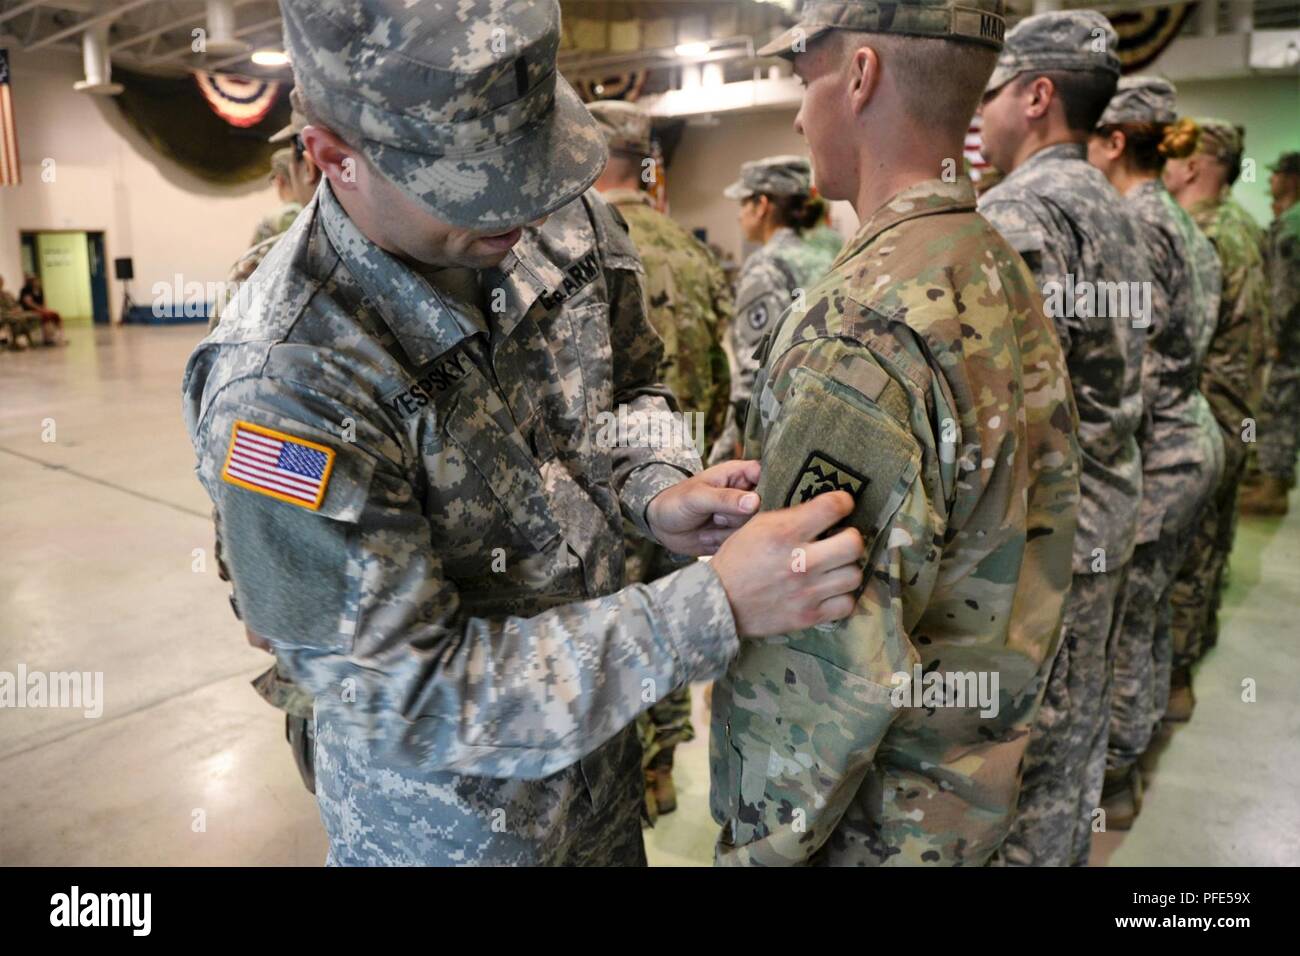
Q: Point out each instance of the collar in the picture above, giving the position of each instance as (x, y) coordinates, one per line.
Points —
(425, 323)
(627, 197)
(1054, 153)
(927, 198)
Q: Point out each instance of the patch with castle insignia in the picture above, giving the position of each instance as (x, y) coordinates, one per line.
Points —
(822, 473)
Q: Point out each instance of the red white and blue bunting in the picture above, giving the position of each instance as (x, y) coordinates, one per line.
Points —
(238, 101)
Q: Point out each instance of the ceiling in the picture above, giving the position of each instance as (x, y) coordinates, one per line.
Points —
(602, 38)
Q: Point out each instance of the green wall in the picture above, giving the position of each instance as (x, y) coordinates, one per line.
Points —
(65, 273)
(1269, 108)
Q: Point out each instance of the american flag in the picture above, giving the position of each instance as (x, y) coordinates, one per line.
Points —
(10, 171)
(279, 465)
(972, 148)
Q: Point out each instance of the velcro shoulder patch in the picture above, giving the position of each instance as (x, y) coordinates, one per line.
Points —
(278, 465)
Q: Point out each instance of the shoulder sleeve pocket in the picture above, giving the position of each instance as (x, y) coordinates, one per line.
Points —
(830, 437)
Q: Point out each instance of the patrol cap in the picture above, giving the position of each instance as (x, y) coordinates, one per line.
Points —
(1064, 40)
(459, 105)
(976, 21)
(626, 126)
(1219, 138)
(774, 176)
(1288, 164)
(281, 162)
(1141, 99)
(296, 122)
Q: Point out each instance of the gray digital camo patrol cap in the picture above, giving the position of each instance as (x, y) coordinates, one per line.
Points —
(1141, 99)
(773, 176)
(458, 104)
(625, 126)
(976, 21)
(1066, 40)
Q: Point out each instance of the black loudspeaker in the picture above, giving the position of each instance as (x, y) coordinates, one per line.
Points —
(123, 269)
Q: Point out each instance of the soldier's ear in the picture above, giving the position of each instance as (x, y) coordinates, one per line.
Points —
(863, 77)
(335, 159)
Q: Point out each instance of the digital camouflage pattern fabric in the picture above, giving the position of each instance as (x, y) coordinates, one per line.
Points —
(1229, 384)
(1057, 41)
(277, 223)
(460, 105)
(1182, 459)
(1281, 418)
(770, 280)
(452, 604)
(689, 305)
(1070, 226)
(924, 379)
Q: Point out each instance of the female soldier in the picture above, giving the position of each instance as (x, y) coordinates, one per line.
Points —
(777, 208)
(1182, 451)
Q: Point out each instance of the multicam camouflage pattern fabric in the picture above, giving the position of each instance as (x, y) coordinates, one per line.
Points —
(1182, 459)
(976, 21)
(16, 319)
(1070, 226)
(773, 278)
(446, 100)
(1228, 383)
(1065, 764)
(452, 603)
(924, 379)
(1281, 418)
(244, 267)
(689, 305)
(1059, 40)
(277, 223)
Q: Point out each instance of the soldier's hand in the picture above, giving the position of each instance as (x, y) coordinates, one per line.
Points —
(696, 515)
(780, 578)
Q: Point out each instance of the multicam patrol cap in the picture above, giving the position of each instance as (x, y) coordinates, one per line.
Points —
(626, 126)
(773, 176)
(281, 162)
(1220, 139)
(1141, 99)
(1065, 40)
(459, 105)
(976, 21)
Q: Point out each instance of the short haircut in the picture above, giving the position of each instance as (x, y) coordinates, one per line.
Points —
(1084, 94)
(941, 80)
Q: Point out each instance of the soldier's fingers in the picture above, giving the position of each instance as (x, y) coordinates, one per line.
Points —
(730, 521)
(843, 547)
(704, 499)
(813, 517)
(842, 580)
(837, 608)
(732, 474)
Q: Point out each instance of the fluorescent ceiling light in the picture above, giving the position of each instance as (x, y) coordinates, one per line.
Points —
(693, 49)
(270, 57)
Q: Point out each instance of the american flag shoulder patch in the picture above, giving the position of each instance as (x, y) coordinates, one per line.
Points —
(278, 465)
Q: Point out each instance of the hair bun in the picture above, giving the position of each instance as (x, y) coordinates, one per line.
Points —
(1180, 139)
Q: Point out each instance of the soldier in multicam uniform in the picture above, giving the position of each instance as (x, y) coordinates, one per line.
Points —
(1279, 426)
(1182, 450)
(1201, 183)
(403, 421)
(924, 378)
(777, 208)
(1054, 77)
(689, 305)
(21, 324)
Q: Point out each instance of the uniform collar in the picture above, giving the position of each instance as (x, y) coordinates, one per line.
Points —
(425, 323)
(627, 197)
(927, 198)
(1054, 153)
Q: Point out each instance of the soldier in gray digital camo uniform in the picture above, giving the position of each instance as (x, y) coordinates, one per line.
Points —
(779, 210)
(1182, 449)
(1071, 227)
(423, 421)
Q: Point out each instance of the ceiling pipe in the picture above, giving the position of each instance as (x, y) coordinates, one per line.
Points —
(98, 64)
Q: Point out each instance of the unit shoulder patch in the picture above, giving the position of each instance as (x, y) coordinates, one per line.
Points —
(278, 465)
(821, 474)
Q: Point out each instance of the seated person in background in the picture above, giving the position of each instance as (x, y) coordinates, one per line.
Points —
(20, 324)
(32, 298)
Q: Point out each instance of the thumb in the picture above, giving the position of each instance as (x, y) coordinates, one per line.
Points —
(813, 517)
(706, 500)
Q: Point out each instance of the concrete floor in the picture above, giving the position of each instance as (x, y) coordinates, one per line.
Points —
(188, 766)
